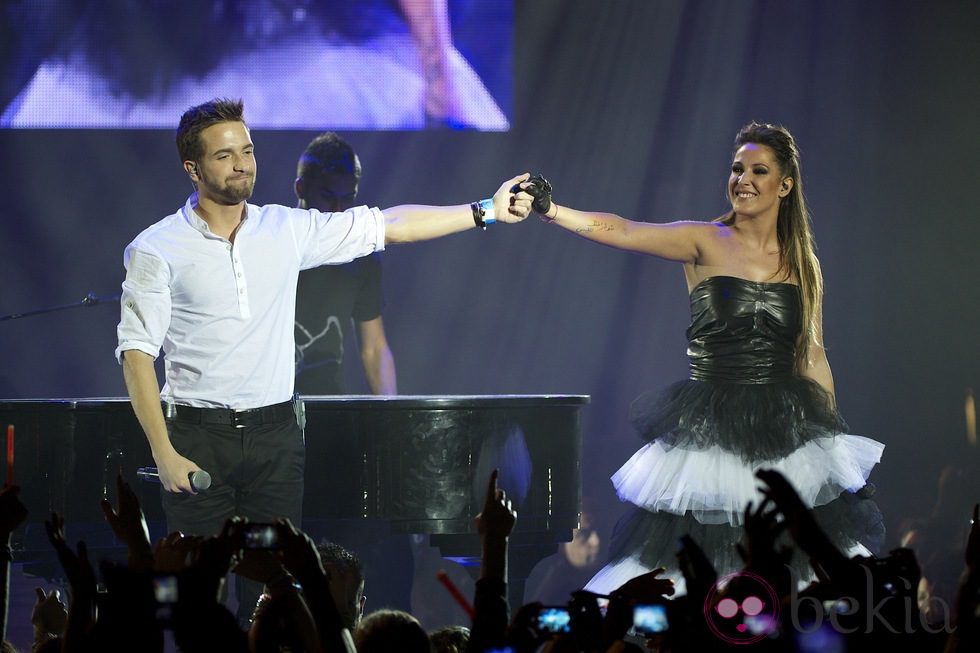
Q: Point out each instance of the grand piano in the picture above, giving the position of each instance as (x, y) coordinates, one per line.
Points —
(419, 464)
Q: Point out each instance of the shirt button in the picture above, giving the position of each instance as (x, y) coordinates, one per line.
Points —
(241, 292)
(239, 275)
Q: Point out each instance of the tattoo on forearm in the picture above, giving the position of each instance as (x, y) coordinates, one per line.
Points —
(595, 225)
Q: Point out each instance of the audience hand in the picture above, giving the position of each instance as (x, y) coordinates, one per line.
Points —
(699, 574)
(498, 516)
(49, 615)
(522, 633)
(200, 621)
(128, 522)
(173, 553)
(260, 566)
(215, 556)
(301, 559)
(298, 553)
(282, 617)
(973, 542)
(784, 495)
(762, 529)
(12, 511)
(967, 634)
(202, 562)
(806, 532)
(644, 589)
(800, 521)
(77, 567)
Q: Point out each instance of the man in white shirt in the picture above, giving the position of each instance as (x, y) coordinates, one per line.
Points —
(214, 285)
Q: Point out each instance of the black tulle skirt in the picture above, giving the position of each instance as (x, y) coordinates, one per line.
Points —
(697, 472)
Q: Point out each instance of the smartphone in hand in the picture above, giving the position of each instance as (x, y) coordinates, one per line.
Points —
(553, 619)
(650, 619)
(261, 536)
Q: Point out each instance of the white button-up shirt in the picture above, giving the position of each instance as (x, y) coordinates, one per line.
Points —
(222, 312)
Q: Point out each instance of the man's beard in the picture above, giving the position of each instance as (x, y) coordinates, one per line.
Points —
(230, 193)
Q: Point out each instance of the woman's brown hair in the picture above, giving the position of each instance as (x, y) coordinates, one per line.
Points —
(797, 250)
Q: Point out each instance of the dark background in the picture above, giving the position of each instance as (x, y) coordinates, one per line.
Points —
(628, 106)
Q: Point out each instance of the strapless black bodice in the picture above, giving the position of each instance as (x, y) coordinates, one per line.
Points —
(743, 331)
(743, 394)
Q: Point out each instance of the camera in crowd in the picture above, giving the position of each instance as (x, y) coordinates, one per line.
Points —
(650, 619)
(581, 621)
(140, 595)
(553, 619)
(261, 536)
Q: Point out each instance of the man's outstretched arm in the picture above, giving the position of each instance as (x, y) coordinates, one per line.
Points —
(412, 222)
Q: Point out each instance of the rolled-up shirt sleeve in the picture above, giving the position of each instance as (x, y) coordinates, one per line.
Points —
(331, 238)
(145, 303)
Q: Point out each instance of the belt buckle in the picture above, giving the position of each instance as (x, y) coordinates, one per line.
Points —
(234, 419)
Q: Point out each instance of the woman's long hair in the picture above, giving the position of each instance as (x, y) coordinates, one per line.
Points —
(797, 251)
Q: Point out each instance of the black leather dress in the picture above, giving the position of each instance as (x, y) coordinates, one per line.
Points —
(743, 408)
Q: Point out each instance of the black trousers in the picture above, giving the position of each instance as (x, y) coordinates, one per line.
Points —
(256, 473)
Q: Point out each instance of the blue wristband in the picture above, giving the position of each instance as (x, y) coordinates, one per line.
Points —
(486, 211)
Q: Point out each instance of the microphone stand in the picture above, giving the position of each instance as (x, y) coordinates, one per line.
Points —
(91, 299)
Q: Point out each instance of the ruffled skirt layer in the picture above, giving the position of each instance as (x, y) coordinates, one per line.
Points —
(697, 473)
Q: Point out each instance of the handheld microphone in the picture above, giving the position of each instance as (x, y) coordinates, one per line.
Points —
(200, 480)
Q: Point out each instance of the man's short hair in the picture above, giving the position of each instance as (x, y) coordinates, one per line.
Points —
(391, 630)
(197, 119)
(330, 153)
(339, 558)
(450, 639)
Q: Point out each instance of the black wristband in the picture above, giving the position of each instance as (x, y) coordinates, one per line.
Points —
(478, 216)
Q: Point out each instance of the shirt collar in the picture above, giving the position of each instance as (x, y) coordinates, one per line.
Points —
(198, 223)
(192, 218)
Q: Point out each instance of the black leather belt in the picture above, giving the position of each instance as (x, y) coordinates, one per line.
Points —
(236, 418)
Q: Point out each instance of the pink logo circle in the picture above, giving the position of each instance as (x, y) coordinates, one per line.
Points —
(745, 617)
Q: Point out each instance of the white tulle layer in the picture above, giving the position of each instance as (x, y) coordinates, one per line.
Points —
(714, 485)
(615, 574)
